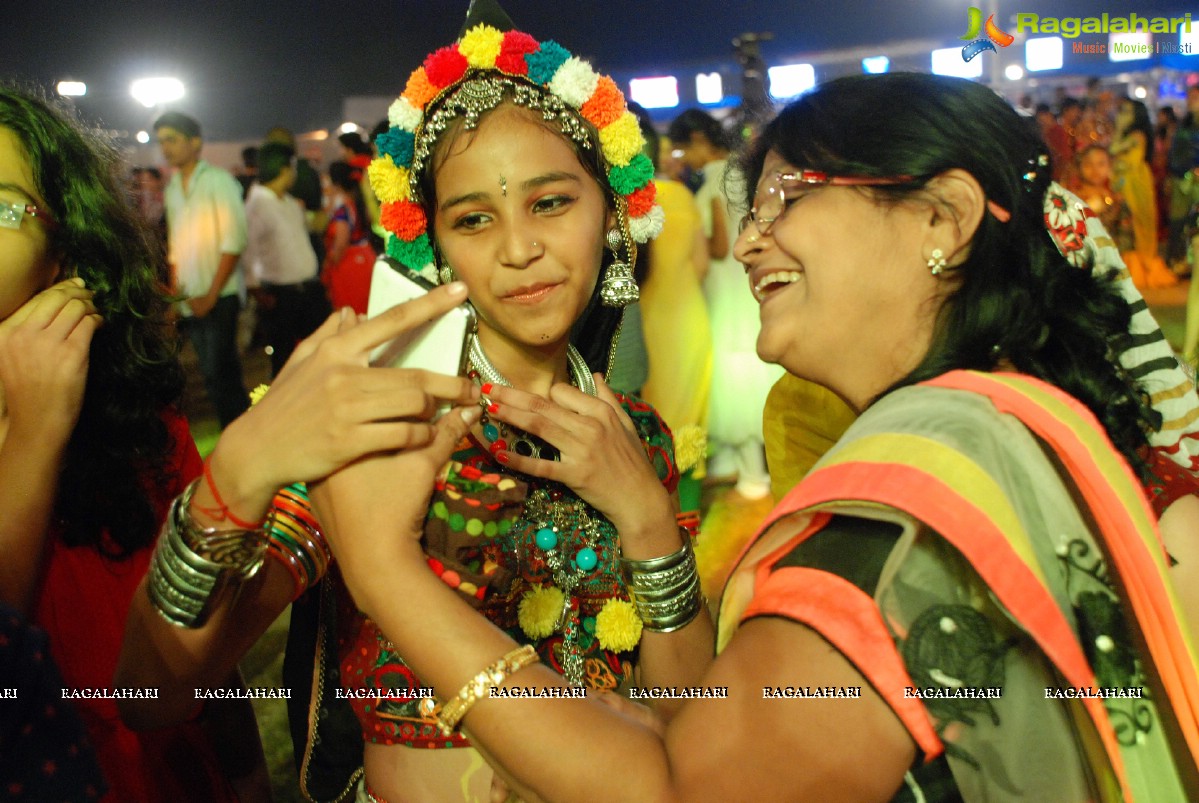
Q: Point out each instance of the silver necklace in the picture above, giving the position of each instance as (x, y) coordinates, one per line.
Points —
(580, 374)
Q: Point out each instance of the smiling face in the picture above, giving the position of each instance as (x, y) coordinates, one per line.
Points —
(26, 264)
(522, 222)
(846, 299)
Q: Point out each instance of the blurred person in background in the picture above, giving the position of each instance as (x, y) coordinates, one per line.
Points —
(349, 257)
(1132, 150)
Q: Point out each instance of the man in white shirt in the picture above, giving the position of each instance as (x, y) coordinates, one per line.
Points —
(206, 233)
(281, 267)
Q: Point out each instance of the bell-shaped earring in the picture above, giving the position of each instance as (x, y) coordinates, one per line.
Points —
(619, 288)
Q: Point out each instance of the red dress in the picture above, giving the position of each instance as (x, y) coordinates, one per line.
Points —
(82, 604)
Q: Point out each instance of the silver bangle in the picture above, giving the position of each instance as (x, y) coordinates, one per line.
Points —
(193, 566)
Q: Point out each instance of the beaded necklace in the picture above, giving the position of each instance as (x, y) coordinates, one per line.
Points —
(554, 517)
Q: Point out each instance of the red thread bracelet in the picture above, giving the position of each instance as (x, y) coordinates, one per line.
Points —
(222, 512)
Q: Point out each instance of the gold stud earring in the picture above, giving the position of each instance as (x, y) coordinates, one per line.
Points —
(937, 262)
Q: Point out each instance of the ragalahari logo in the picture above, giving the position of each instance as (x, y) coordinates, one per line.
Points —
(974, 26)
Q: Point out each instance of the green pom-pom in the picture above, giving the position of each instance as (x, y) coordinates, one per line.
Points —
(633, 176)
(415, 254)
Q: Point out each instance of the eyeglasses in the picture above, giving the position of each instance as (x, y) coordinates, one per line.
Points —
(11, 214)
(784, 187)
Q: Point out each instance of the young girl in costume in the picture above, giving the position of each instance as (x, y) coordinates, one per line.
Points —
(967, 597)
(92, 447)
(514, 169)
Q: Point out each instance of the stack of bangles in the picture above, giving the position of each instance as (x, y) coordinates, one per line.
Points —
(295, 538)
(193, 566)
(480, 685)
(665, 591)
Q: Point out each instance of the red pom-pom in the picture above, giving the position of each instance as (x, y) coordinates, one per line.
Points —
(445, 66)
(642, 200)
(404, 219)
(512, 52)
(605, 104)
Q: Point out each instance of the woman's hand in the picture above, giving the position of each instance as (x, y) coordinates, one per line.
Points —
(328, 407)
(602, 457)
(373, 511)
(44, 348)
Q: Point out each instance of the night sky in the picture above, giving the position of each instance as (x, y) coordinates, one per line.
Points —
(251, 64)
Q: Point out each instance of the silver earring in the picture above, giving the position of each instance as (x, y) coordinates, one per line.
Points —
(445, 274)
(619, 288)
(937, 262)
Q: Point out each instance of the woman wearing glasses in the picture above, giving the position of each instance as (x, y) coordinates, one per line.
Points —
(92, 445)
(967, 598)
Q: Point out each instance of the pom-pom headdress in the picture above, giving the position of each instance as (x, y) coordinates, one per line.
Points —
(465, 80)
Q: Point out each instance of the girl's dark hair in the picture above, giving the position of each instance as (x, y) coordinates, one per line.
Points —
(594, 331)
(1140, 122)
(1018, 297)
(120, 448)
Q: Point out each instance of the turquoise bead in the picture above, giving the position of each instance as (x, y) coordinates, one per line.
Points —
(491, 432)
(546, 538)
(586, 559)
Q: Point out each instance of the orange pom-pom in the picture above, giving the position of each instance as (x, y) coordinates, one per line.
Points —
(642, 200)
(605, 104)
(419, 91)
(404, 219)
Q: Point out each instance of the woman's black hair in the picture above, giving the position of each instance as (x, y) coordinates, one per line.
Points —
(1140, 122)
(594, 331)
(1018, 298)
(120, 449)
(697, 121)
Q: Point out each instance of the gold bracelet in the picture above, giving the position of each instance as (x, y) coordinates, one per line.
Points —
(455, 709)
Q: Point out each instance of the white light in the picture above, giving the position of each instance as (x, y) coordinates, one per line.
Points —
(790, 80)
(709, 88)
(72, 89)
(1129, 46)
(876, 65)
(1188, 41)
(948, 61)
(143, 137)
(151, 92)
(661, 92)
(348, 128)
(1013, 72)
(1043, 54)
(1140, 92)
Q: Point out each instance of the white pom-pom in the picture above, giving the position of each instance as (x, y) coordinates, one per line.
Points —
(404, 115)
(648, 226)
(574, 81)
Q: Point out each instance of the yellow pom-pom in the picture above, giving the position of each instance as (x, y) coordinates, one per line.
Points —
(690, 446)
(481, 46)
(617, 626)
(622, 140)
(257, 393)
(540, 609)
(388, 180)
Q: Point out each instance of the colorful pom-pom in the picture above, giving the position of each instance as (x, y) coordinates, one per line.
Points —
(574, 81)
(257, 393)
(605, 104)
(622, 140)
(389, 181)
(690, 446)
(539, 610)
(419, 89)
(642, 200)
(511, 59)
(403, 115)
(617, 626)
(481, 45)
(445, 66)
(416, 254)
(545, 61)
(648, 226)
(404, 219)
(396, 143)
(631, 177)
